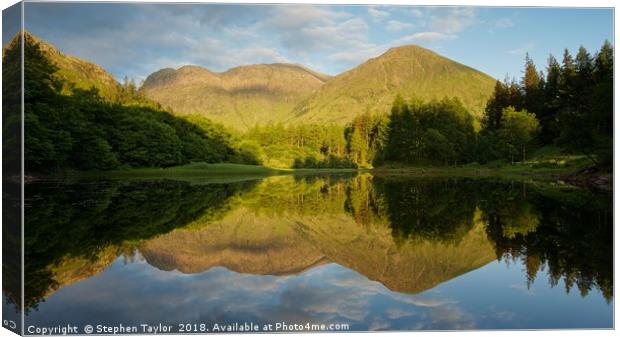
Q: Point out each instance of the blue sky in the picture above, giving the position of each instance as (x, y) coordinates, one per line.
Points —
(138, 39)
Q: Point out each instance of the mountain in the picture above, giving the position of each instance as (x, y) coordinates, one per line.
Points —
(240, 97)
(77, 72)
(407, 70)
(258, 94)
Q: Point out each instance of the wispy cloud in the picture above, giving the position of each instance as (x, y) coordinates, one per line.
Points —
(453, 20)
(395, 25)
(378, 14)
(424, 37)
(416, 13)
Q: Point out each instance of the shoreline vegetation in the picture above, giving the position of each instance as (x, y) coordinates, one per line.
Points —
(572, 173)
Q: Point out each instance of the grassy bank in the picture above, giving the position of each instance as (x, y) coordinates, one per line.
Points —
(189, 170)
(548, 163)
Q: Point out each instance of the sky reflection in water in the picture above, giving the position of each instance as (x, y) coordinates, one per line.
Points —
(494, 296)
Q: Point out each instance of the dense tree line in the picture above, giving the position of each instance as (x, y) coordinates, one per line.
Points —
(300, 146)
(83, 131)
(572, 103)
(437, 132)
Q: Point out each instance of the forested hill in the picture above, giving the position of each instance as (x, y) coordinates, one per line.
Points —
(240, 97)
(72, 125)
(77, 73)
(261, 94)
(407, 70)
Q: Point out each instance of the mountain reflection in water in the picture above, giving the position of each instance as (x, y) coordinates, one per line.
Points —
(377, 252)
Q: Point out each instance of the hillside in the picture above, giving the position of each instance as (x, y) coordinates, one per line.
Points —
(77, 72)
(240, 97)
(408, 70)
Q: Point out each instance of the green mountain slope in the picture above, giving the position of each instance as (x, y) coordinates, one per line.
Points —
(240, 97)
(408, 70)
(79, 73)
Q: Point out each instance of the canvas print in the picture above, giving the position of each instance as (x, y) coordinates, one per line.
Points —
(209, 167)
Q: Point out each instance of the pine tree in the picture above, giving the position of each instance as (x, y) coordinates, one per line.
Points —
(531, 86)
(583, 80)
(603, 100)
(549, 111)
(496, 104)
(566, 85)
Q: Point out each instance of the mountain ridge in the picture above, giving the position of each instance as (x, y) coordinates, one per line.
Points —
(409, 70)
(257, 94)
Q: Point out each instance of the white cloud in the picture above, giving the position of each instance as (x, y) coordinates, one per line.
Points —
(299, 16)
(363, 53)
(416, 13)
(452, 20)
(377, 14)
(394, 25)
(424, 37)
(428, 302)
(396, 313)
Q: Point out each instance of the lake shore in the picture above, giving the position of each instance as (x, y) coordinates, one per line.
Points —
(570, 174)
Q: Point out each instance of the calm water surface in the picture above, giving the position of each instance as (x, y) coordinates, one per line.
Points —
(376, 253)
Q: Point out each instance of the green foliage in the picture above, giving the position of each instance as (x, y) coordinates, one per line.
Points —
(366, 137)
(300, 146)
(517, 131)
(11, 108)
(573, 105)
(438, 132)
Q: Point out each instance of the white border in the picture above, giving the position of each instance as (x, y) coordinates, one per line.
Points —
(481, 3)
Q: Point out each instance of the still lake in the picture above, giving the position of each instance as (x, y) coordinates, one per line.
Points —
(374, 252)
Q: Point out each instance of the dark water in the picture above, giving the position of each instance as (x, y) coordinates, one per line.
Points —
(374, 253)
